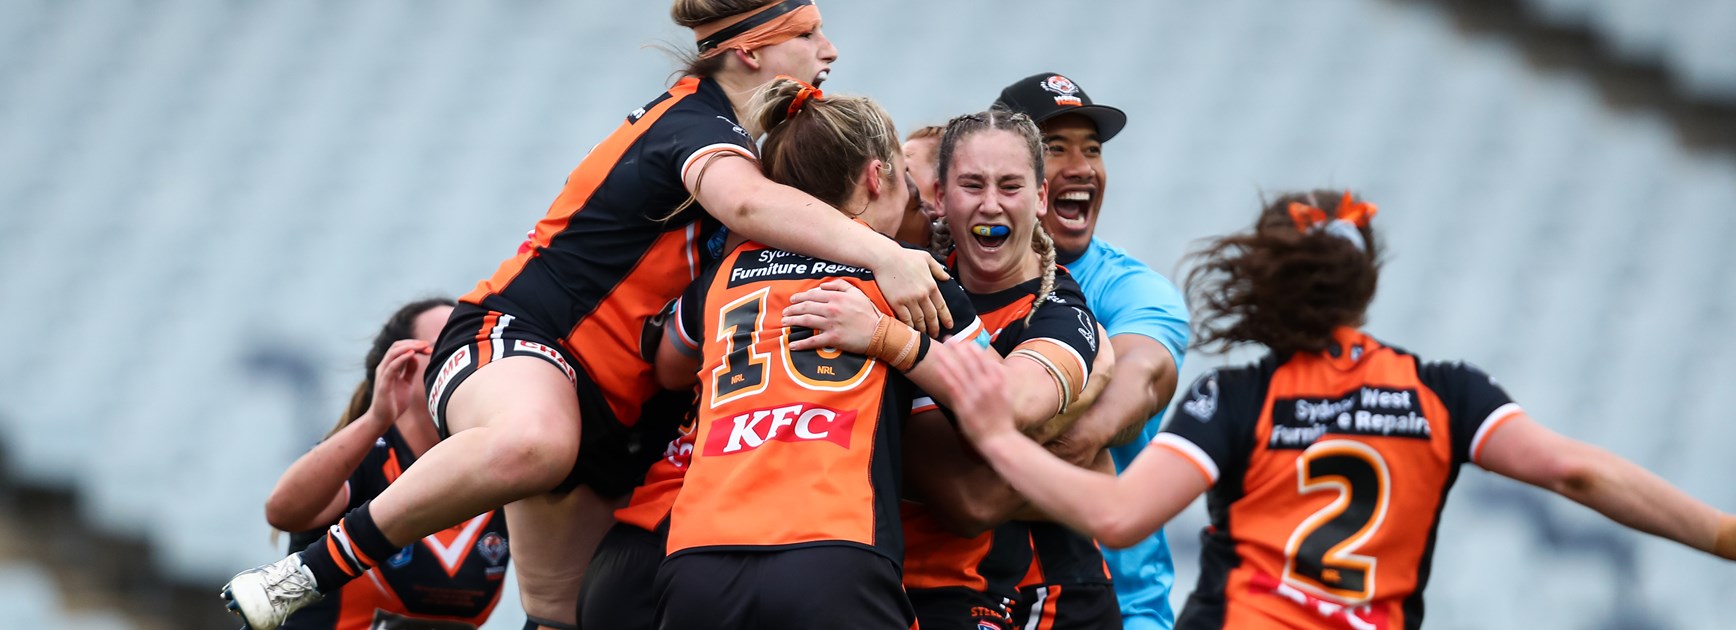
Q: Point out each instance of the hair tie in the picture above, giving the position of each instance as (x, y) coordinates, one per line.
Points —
(802, 96)
(1352, 216)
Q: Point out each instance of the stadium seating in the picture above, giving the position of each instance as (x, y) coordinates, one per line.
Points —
(28, 600)
(207, 208)
(1690, 37)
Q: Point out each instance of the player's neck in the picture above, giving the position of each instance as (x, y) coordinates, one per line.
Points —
(981, 282)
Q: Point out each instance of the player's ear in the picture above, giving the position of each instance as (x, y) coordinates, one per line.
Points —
(872, 177)
(749, 59)
(1042, 198)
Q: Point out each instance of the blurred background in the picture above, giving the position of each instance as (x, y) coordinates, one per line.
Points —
(208, 207)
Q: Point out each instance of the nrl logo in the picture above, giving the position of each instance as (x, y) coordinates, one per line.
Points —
(1066, 93)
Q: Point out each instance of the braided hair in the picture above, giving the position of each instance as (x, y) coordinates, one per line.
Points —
(1017, 123)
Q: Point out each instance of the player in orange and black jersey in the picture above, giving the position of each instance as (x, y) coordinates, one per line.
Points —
(962, 571)
(787, 514)
(1327, 461)
(452, 578)
(540, 375)
(961, 582)
(618, 590)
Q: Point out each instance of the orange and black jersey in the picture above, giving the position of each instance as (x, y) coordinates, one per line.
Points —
(609, 255)
(1063, 337)
(453, 575)
(651, 501)
(791, 448)
(1329, 472)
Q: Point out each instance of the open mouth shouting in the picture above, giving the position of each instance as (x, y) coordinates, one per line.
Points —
(990, 237)
(825, 73)
(1073, 208)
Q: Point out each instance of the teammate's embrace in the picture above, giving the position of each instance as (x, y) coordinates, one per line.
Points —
(964, 560)
(540, 376)
(1327, 461)
(788, 514)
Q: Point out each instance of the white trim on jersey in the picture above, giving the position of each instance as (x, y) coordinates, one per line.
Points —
(494, 336)
(970, 332)
(1500, 415)
(692, 246)
(680, 330)
(1192, 451)
(710, 149)
(1037, 609)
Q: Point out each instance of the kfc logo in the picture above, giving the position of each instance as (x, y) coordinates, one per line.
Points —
(792, 423)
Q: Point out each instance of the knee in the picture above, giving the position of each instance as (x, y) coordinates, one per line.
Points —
(536, 458)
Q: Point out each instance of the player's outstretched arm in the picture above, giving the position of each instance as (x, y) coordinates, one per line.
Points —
(738, 194)
(1617, 488)
(1117, 511)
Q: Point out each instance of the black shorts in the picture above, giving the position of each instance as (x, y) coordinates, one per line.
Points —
(826, 586)
(612, 458)
(619, 590)
(960, 608)
(1069, 607)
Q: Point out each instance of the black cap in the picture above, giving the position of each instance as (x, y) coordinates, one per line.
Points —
(1046, 95)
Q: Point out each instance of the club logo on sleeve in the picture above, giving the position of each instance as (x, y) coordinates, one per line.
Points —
(1202, 401)
(1087, 329)
(735, 127)
(1065, 91)
(791, 423)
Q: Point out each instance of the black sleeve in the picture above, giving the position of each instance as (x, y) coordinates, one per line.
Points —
(964, 316)
(687, 323)
(1065, 320)
(1214, 423)
(690, 133)
(1475, 403)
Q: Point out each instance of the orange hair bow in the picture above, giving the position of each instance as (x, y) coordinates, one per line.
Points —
(807, 92)
(1352, 214)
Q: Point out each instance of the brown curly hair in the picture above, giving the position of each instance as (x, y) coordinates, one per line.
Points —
(1280, 287)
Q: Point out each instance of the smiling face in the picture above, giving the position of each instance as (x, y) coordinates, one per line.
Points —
(1073, 158)
(992, 200)
(807, 57)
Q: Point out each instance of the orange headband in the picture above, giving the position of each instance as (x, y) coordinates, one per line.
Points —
(803, 18)
(1352, 214)
(802, 96)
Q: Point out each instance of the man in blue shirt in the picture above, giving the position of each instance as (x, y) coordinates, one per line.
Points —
(1144, 313)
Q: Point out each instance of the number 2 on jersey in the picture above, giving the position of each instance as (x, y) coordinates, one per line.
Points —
(1321, 554)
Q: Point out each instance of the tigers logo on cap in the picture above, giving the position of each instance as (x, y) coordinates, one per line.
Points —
(1066, 93)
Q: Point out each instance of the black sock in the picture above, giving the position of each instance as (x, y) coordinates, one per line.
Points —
(347, 550)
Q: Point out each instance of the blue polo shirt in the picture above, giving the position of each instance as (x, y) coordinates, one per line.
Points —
(1129, 298)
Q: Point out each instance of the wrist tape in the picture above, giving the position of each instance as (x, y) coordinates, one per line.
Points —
(900, 346)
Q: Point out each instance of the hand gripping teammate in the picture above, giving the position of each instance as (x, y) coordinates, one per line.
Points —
(1326, 462)
(559, 326)
(1147, 323)
(787, 517)
(964, 561)
(839, 149)
(452, 577)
